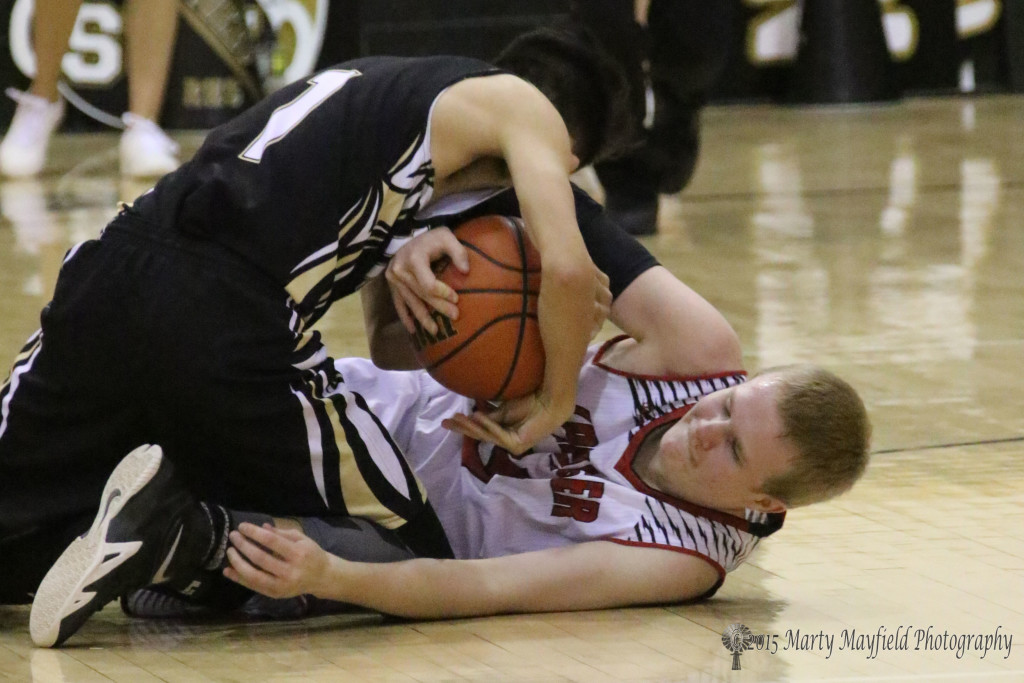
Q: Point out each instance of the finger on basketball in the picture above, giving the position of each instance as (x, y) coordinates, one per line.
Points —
(425, 283)
(447, 295)
(421, 283)
(401, 309)
(442, 303)
(454, 249)
(416, 309)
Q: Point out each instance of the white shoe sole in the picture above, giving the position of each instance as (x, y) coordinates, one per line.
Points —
(13, 170)
(60, 594)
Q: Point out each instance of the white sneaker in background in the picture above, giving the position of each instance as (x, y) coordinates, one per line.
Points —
(146, 151)
(23, 150)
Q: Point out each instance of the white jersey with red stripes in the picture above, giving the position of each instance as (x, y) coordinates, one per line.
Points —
(576, 485)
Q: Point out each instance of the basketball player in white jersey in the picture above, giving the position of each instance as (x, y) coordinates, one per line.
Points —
(671, 470)
(667, 475)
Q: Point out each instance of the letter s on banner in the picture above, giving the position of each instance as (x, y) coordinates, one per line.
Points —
(93, 57)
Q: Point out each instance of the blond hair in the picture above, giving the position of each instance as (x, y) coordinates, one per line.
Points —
(825, 419)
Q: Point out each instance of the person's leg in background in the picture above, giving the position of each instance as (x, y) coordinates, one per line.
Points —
(686, 46)
(40, 109)
(690, 44)
(151, 27)
(150, 33)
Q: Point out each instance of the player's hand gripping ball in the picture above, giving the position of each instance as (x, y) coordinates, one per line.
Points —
(493, 351)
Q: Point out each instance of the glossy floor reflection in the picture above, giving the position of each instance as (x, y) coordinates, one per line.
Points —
(886, 243)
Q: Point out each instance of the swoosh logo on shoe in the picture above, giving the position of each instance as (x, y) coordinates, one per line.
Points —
(161, 574)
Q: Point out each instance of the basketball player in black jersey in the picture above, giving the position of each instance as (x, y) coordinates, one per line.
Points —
(189, 323)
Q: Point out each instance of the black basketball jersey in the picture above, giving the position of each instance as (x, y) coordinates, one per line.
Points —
(315, 183)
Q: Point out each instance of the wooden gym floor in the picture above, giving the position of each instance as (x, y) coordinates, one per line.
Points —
(886, 243)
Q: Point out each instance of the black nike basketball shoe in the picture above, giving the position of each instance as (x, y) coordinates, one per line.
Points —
(141, 535)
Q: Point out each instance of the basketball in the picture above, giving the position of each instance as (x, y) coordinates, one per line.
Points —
(493, 351)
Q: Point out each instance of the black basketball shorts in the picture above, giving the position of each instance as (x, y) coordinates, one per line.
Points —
(165, 339)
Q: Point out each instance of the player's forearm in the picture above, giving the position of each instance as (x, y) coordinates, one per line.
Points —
(565, 306)
(565, 319)
(421, 588)
(582, 576)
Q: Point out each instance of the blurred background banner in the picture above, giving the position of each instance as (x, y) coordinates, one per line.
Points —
(229, 52)
(937, 46)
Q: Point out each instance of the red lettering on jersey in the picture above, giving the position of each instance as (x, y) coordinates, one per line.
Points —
(572, 458)
(501, 462)
(576, 498)
(575, 446)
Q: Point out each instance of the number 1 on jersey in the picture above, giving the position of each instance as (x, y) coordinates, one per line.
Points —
(289, 115)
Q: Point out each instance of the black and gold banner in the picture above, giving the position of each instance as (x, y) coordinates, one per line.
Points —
(230, 51)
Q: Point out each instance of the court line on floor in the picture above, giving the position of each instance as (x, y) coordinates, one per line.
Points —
(981, 442)
(923, 677)
(825, 192)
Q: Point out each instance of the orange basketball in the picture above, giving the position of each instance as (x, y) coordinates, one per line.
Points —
(493, 351)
